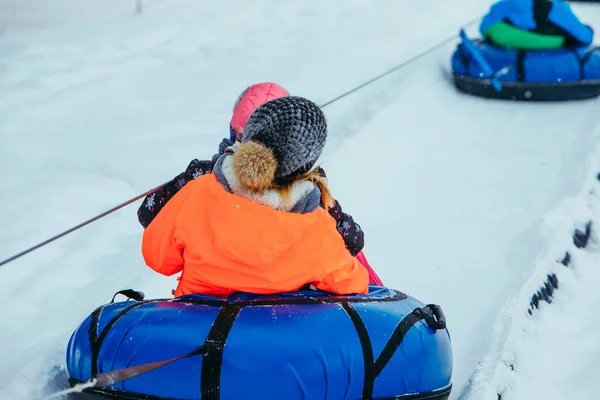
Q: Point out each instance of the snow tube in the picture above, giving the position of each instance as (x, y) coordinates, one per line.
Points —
(482, 69)
(306, 344)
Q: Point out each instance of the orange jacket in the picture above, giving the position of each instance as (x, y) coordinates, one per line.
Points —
(225, 243)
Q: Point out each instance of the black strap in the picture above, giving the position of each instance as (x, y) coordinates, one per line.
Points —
(583, 60)
(589, 53)
(93, 337)
(212, 362)
(96, 340)
(130, 294)
(433, 316)
(93, 329)
(581, 64)
(367, 350)
(212, 350)
(394, 341)
(521, 65)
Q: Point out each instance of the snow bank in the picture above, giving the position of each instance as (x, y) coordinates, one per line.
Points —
(545, 353)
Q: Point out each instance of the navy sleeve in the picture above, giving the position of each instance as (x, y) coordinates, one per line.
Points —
(154, 202)
(351, 232)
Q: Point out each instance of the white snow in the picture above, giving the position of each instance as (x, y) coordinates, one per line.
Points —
(510, 361)
(458, 196)
(553, 354)
(559, 356)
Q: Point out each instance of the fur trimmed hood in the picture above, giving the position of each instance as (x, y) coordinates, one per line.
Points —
(305, 196)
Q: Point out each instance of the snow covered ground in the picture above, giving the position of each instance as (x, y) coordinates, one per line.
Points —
(534, 359)
(559, 356)
(556, 354)
(455, 193)
(553, 354)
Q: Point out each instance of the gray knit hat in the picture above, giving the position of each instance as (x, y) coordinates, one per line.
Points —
(293, 128)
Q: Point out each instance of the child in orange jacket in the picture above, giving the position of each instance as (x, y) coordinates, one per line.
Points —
(248, 101)
(263, 196)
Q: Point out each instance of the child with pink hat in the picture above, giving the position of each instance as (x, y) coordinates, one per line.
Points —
(250, 99)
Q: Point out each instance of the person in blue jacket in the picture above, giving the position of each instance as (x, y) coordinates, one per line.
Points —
(537, 21)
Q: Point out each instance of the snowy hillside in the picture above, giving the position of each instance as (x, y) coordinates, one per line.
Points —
(454, 193)
(552, 354)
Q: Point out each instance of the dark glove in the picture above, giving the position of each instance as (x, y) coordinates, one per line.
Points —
(225, 143)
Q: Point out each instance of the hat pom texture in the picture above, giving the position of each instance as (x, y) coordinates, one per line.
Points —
(255, 166)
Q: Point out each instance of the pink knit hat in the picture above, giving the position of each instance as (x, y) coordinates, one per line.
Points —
(251, 98)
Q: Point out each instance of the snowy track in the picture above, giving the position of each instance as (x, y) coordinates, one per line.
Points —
(557, 352)
(550, 353)
(453, 192)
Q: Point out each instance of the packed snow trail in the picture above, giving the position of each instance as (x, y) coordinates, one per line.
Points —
(557, 357)
(552, 353)
(449, 189)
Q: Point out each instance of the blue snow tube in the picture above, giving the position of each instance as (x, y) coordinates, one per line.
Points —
(308, 344)
(482, 69)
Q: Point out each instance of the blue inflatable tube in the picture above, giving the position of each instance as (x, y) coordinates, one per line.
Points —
(309, 344)
(482, 69)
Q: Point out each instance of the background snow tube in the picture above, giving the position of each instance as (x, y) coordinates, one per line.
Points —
(293, 346)
(545, 75)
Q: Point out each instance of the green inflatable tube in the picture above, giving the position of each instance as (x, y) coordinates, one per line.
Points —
(510, 37)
